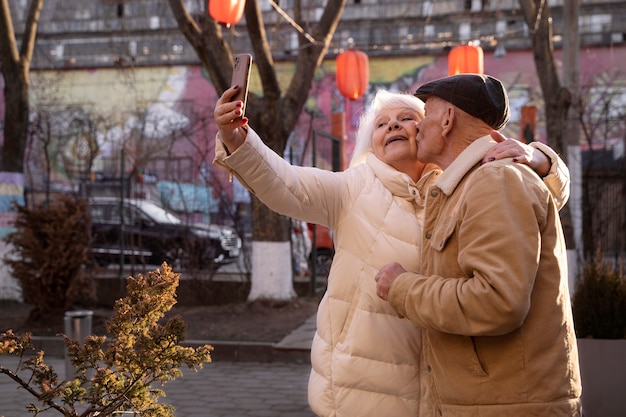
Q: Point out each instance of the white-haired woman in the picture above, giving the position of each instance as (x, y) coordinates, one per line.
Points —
(366, 361)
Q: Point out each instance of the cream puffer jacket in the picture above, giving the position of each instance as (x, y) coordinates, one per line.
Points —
(366, 361)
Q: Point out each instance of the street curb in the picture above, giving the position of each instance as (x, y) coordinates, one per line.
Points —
(223, 351)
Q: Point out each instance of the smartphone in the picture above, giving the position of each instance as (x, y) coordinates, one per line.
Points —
(241, 77)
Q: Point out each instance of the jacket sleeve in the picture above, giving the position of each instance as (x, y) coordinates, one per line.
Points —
(498, 236)
(305, 193)
(557, 180)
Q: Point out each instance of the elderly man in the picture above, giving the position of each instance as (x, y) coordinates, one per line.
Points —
(492, 292)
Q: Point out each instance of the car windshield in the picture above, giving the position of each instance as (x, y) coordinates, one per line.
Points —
(157, 213)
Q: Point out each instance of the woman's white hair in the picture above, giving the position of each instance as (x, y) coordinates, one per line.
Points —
(383, 100)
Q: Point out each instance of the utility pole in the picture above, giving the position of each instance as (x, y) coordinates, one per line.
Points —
(572, 134)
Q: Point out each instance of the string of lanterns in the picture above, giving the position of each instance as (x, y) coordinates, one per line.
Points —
(353, 68)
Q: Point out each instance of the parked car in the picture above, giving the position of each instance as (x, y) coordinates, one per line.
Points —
(147, 233)
(324, 249)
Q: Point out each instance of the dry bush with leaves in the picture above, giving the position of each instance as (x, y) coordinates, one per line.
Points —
(50, 249)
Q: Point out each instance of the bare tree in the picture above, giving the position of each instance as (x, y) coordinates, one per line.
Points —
(273, 116)
(62, 141)
(15, 67)
(557, 98)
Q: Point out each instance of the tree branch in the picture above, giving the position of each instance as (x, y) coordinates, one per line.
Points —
(297, 92)
(206, 39)
(30, 33)
(262, 53)
(9, 56)
(39, 395)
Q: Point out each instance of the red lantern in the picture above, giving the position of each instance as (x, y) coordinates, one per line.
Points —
(465, 59)
(226, 11)
(353, 73)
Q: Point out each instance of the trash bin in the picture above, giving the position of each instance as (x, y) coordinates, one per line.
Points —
(77, 326)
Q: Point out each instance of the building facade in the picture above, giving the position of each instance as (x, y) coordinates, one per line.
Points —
(129, 98)
(110, 33)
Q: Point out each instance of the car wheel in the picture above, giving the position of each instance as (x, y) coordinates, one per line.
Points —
(190, 258)
(323, 261)
(178, 258)
(208, 259)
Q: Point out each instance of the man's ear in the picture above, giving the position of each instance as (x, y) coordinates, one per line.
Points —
(447, 120)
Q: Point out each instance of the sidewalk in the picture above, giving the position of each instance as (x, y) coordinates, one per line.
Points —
(238, 383)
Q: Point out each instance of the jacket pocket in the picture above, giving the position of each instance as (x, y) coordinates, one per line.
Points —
(442, 233)
(472, 358)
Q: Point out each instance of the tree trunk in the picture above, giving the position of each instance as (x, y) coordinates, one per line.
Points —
(16, 111)
(557, 99)
(15, 66)
(272, 277)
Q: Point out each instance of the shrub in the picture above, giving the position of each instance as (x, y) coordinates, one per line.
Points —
(50, 249)
(118, 375)
(599, 303)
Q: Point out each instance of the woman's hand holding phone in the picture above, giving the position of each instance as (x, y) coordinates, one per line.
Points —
(229, 112)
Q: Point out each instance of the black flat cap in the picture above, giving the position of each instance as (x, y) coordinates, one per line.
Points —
(482, 96)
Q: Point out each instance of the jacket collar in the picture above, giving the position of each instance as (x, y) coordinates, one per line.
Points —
(397, 182)
(472, 155)
(400, 184)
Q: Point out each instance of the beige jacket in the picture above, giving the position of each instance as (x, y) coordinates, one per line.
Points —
(494, 297)
(366, 361)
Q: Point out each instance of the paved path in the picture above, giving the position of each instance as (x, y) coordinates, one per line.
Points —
(221, 389)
